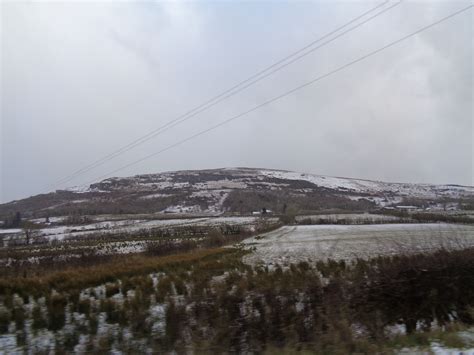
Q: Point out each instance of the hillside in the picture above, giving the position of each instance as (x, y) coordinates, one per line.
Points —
(240, 190)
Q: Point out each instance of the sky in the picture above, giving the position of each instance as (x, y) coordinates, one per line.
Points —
(81, 79)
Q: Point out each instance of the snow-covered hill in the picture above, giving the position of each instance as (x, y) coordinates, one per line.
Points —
(428, 191)
(236, 190)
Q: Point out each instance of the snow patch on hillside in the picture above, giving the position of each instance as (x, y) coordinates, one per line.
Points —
(153, 196)
(374, 187)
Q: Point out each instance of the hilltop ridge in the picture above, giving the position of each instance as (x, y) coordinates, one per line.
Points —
(239, 189)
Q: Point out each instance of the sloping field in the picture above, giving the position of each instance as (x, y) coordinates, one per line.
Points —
(291, 244)
(131, 226)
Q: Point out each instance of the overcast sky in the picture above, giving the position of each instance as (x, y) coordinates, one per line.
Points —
(81, 79)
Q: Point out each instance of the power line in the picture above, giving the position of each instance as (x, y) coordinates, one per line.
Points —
(221, 97)
(287, 93)
(250, 81)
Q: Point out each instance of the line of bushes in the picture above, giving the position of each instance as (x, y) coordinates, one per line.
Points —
(213, 302)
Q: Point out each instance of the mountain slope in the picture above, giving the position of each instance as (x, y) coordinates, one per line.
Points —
(233, 190)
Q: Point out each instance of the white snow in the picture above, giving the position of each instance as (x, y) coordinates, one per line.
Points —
(153, 196)
(10, 231)
(438, 349)
(182, 209)
(78, 189)
(51, 219)
(83, 189)
(221, 184)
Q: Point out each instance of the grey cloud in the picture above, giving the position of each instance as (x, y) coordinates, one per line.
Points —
(80, 80)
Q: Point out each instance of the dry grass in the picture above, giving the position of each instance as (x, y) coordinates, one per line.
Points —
(77, 278)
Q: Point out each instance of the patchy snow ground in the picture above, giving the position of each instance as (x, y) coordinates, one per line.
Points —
(291, 244)
(131, 226)
(436, 348)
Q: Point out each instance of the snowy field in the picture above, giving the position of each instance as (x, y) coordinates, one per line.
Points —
(290, 244)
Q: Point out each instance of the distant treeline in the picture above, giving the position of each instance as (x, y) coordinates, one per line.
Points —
(13, 220)
(439, 217)
(351, 220)
(429, 217)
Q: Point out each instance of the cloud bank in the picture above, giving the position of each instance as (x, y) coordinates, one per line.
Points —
(80, 80)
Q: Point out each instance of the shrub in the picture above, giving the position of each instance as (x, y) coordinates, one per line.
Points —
(39, 320)
(111, 308)
(93, 324)
(289, 219)
(174, 319)
(84, 307)
(56, 311)
(164, 288)
(111, 289)
(18, 316)
(4, 320)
